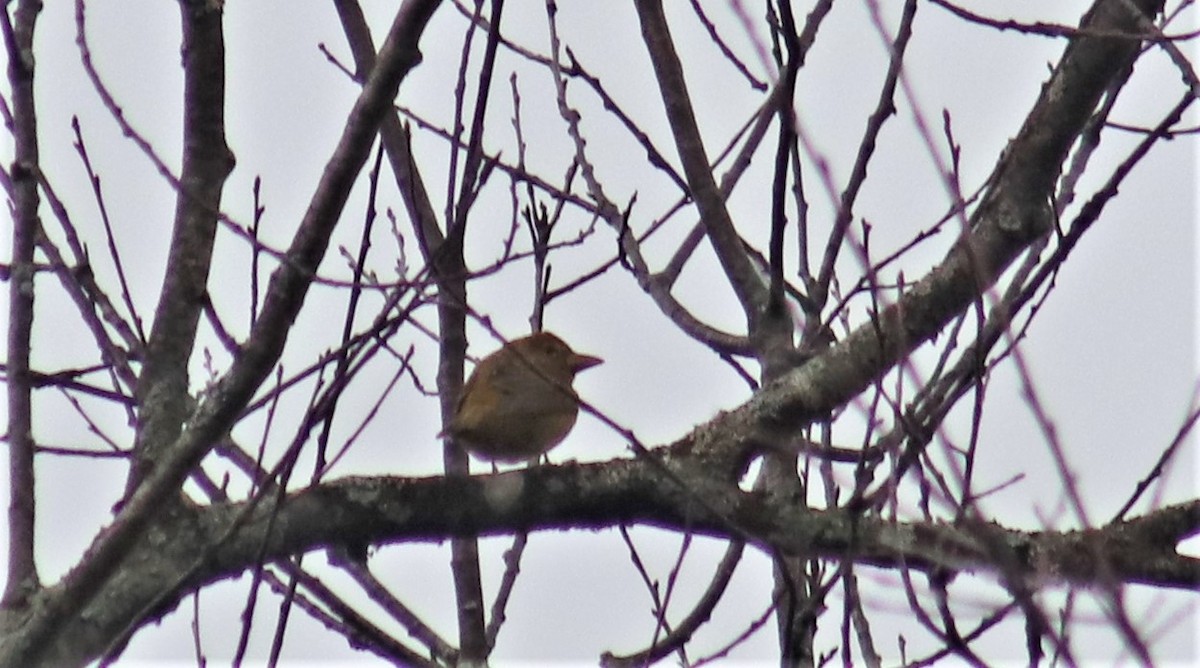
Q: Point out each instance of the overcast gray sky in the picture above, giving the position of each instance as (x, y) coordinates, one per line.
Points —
(1112, 352)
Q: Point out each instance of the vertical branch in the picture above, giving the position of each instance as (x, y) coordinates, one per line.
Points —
(450, 271)
(538, 220)
(784, 150)
(460, 96)
(18, 39)
(804, 41)
(163, 387)
(449, 268)
(472, 168)
(444, 252)
(255, 248)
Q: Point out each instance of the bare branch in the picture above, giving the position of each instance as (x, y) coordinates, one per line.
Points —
(285, 295)
(746, 282)
(18, 43)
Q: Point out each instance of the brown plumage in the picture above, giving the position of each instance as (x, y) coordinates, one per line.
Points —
(518, 403)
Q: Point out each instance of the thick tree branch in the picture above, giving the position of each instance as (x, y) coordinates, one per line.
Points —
(604, 495)
(18, 45)
(450, 271)
(163, 398)
(214, 417)
(591, 496)
(1014, 212)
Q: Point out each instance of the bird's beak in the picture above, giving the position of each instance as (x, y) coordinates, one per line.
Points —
(581, 362)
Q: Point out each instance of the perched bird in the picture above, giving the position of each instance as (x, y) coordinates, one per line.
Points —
(518, 403)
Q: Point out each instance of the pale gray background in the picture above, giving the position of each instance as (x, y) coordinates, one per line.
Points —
(1113, 352)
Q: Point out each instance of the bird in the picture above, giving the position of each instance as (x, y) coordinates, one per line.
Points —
(518, 402)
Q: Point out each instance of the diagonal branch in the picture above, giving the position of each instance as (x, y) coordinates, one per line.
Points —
(214, 417)
(885, 108)
(742, 275)
(657, 287)
(1015, 211)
